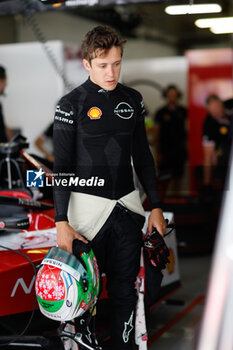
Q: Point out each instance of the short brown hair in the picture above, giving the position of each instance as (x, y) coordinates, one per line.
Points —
(100, 39)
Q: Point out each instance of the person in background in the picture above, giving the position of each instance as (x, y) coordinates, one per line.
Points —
(170, 123)
(5, 133)
(98, 128)
(42, 141)
(229, 107)
(216, 140)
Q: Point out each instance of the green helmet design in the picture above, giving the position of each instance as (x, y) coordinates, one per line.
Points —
(66, 285)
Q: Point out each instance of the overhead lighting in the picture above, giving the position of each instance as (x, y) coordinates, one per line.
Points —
(218, 25)
(225, 29)
(193, 9)
(212, 22)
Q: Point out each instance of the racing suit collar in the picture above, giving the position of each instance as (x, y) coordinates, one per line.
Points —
(92, 86)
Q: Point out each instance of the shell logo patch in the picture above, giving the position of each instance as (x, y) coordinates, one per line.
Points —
(223, 130)
(94, 113)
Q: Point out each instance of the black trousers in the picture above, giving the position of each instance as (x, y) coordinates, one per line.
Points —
(117, 247)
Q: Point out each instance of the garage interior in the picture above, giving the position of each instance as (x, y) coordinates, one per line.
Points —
(40, 48)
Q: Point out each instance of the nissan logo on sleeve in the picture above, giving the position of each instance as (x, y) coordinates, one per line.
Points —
(124, 110)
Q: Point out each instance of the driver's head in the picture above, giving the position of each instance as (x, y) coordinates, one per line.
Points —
(99, 40)
(102, 50)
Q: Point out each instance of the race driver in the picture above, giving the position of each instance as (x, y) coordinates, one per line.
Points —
(98, 133)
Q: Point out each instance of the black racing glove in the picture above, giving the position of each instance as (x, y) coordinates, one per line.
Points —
(156, 250)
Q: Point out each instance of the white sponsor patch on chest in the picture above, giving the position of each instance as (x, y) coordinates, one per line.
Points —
(124, 110)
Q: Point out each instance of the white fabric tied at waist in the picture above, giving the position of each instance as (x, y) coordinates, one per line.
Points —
(88, 213)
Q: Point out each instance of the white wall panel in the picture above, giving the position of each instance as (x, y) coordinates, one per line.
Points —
(163, 71)
(72, 28)
(33, 87)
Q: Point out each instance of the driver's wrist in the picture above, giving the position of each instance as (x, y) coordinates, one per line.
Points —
(157, 209)
(62, 224)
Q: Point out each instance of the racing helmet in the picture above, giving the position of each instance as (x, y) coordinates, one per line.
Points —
(66, 285)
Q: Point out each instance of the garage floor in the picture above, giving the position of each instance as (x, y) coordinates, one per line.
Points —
(174, 324)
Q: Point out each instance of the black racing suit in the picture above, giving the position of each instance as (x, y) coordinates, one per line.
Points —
(96, 134)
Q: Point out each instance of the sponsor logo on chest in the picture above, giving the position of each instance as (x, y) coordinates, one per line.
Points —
(94, 113)
(124, 110)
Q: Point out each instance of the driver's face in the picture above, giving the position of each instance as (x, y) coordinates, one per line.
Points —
(105, 68)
